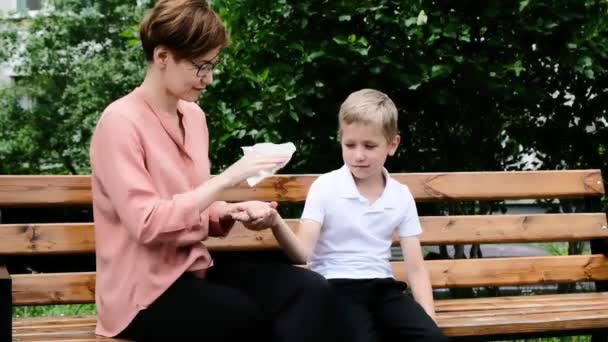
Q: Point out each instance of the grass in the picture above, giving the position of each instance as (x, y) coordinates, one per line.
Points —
(560, 248)
(557, 339)
(54, 310)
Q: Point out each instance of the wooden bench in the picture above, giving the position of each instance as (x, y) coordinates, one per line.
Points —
(490, 317)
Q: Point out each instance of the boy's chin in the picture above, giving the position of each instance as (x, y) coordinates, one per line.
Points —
(362, 173)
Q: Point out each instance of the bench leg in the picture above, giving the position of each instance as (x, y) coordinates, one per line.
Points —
(6, 309)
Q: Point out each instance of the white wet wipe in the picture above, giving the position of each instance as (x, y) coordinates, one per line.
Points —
(269, 149)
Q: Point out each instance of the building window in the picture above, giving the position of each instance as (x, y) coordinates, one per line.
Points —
(25, 7)
(33, 5)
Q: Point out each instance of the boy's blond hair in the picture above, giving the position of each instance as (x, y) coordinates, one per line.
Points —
(370, 106)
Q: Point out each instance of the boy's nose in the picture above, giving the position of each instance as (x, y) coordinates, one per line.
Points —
(359, 155)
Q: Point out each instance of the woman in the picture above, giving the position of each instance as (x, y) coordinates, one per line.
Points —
(154, 202)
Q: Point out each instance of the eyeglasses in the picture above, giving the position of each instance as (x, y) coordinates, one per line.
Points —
(203, 69)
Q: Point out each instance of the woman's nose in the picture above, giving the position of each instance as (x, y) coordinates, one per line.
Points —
(207, 79)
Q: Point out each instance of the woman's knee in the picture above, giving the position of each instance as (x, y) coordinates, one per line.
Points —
(435, 335)
(313, 282)
(242, 319)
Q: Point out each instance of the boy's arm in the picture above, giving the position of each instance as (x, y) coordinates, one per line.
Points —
(417, 274)
(298, 247)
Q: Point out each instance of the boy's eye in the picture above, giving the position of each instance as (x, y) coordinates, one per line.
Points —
(370, 146)
(349, 145)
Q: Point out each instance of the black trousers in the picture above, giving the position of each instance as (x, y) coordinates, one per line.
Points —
(370, 310)
(239, 301)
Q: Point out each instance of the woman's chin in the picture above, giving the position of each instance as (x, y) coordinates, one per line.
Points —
(191, 96)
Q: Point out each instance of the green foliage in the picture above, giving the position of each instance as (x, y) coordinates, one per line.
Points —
(472, 81)
(478, 85)
(76, 60)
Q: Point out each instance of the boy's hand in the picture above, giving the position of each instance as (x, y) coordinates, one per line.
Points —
(256, 215)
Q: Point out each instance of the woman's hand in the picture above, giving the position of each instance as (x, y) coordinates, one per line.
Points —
(250, 165)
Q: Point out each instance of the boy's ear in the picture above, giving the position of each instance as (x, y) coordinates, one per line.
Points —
(393, 144)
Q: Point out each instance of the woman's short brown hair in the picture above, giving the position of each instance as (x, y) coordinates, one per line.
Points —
(188, 28)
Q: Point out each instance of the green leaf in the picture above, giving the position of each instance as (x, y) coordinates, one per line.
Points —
(344, 17)
(438, 70)
(294, 116)
(432, 39)
(523, 4)
(411, 21)
(314, 55)
(422, 18)
(516, 67)
(585, 62)
(264, 75)
(340, 40)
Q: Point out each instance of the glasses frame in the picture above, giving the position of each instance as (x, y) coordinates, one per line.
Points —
(205, 68)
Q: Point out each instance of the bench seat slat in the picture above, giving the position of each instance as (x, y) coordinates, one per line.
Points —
(510, 302)
(57, 288)
(557, 310)
(78, 335)
(528, 323)
(517, 314)
(30, 322)
(65, 238)
(57, 328)
(76, 190)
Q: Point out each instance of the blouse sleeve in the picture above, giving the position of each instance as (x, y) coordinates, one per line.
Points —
(118, 163)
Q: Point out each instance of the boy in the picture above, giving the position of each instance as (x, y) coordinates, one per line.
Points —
(347, 226)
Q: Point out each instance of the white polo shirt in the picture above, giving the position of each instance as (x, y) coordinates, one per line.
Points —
(356, 237)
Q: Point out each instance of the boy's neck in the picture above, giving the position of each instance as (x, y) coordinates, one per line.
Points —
(371, 188)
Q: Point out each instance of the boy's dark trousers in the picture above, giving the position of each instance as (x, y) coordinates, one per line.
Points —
(370, 310)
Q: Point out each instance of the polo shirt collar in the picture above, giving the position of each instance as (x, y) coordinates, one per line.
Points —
(348, 189)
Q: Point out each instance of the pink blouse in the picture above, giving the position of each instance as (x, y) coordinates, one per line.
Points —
(148, 230)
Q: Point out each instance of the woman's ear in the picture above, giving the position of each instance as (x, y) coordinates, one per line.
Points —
(393, 144)
(161, 56)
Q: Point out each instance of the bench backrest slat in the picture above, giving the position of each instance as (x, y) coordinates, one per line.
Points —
(76, 190)
(66, 238)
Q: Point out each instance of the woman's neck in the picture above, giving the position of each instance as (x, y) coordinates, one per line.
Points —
(153, 87)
